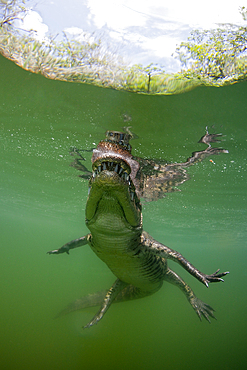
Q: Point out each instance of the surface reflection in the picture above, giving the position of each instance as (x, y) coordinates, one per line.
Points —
(134, 46)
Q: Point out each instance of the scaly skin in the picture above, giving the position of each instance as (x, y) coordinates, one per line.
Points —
(114, 218)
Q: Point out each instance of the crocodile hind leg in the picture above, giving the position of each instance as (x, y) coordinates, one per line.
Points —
(119, 292)
(200, 307)
(112, 293)
(128, 293)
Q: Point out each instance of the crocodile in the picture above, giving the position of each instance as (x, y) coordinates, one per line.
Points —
(114, 218)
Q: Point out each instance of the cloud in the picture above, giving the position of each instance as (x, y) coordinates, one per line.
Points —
(74, 30)
(33, 22)
(114, 14)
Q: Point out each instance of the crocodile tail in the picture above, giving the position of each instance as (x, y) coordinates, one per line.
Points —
(91, 300)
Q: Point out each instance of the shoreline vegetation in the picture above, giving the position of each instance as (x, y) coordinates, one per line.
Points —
(215, 57)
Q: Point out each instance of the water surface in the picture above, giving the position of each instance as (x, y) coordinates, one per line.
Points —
(42, 207)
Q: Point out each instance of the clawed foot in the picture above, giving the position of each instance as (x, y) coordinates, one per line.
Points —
(91, 323)
(63, 249)
(210, 138)
(214, 278)
(202, 309)
(94, 321)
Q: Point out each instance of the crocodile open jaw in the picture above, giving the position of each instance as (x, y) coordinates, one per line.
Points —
(111, 180)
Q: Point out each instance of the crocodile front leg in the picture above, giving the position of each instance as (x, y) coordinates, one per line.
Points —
(199, 306)
(112, 293)
(162, 251)
(71, 245)
(201, 155)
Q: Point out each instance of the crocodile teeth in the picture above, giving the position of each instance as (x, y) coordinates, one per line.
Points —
(116, 168)
(94, 173)
(99, 168)
(132, 196)
(120, 171)
(104, 166)
(125, 175)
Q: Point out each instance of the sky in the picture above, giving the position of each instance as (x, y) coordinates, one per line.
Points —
(142, 31)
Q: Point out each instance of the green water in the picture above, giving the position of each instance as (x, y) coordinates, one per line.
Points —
(42, 207)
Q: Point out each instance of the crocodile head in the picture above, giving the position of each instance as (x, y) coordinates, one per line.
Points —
(112, 203)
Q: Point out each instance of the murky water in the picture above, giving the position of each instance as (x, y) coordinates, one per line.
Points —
(42, 207)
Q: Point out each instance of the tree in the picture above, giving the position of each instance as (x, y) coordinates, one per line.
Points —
(216, 55)
(10, 10)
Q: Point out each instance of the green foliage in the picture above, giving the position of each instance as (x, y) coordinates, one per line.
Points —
(215, 56)
(243, 12)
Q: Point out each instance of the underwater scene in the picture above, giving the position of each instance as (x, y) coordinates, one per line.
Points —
(43, 202)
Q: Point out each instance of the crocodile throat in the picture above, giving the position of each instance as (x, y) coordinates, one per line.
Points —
(112, 200)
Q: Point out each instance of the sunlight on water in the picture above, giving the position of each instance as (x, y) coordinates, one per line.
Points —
(42, 207)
